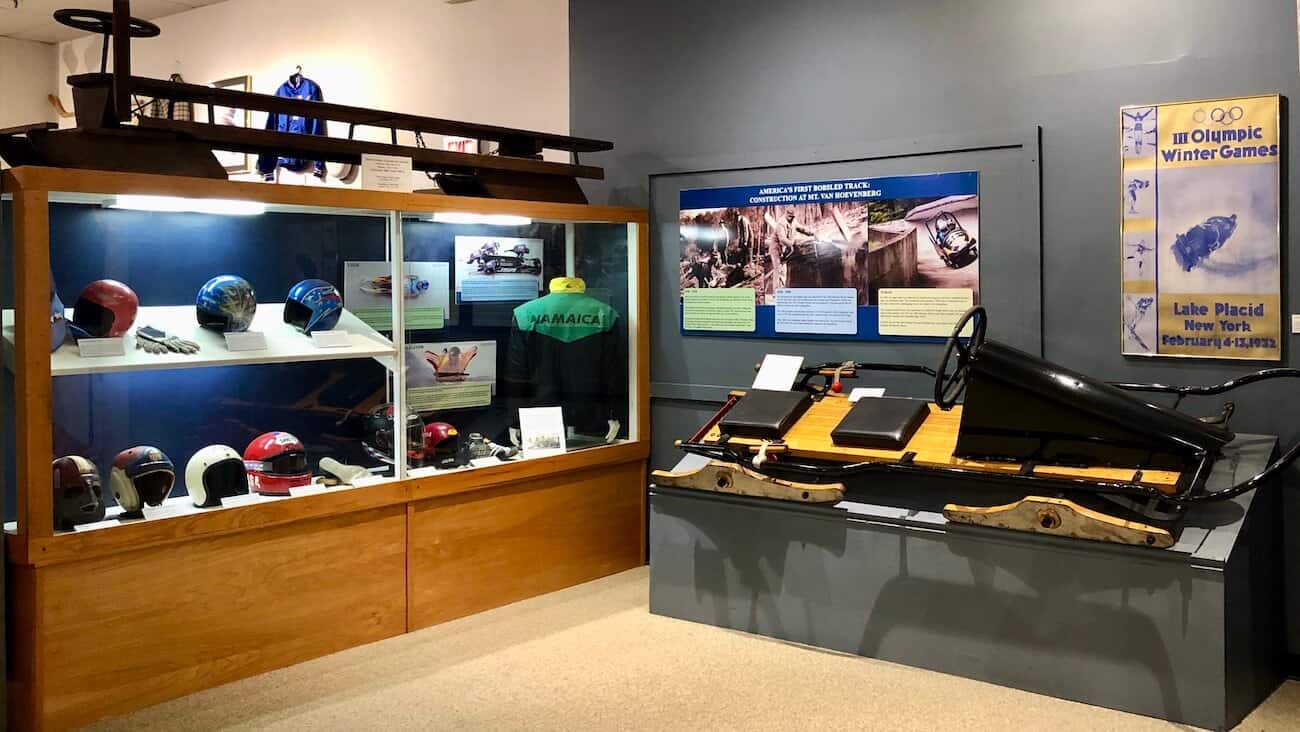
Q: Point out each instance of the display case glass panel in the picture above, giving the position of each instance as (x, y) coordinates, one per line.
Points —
(254, 362)
(226, 353)
(538, 316)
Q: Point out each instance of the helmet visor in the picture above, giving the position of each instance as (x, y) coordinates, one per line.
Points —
(288, 463)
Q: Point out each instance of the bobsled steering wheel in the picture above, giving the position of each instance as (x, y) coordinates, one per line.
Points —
(948, 387)
(101, 22)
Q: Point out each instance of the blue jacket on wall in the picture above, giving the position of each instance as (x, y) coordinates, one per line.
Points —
(304, 89)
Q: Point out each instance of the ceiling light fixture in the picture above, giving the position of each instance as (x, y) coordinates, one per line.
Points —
(488, 219)
(221, 206)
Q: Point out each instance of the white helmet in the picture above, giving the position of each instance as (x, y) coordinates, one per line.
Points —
(215, 472)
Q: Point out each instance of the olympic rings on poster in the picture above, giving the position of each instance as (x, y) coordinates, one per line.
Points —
(1220, 115)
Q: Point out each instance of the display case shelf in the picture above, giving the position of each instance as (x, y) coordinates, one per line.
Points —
(181, 505)
(284, 344)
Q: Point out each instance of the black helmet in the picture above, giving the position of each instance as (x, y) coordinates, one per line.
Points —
(377, 434)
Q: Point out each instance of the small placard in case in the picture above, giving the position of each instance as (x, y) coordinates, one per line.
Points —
(101, 347)
(253, 340)
(331, 338)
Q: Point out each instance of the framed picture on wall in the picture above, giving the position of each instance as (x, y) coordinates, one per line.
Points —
(1200, 228)
(234, 162)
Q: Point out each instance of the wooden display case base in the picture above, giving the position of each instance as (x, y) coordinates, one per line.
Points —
(472, 553)
(115, 633)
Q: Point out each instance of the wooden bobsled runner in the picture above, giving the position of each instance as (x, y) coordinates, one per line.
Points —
(720, 477)
(1060, 517)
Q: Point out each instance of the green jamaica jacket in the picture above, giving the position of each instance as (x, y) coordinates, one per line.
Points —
(564, 351)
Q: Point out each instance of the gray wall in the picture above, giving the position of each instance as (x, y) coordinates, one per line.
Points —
(694, 85)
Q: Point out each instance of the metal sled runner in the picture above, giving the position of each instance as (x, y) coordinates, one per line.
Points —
(1091, 460)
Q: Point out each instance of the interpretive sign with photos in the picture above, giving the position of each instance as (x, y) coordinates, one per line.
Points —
(854, 259)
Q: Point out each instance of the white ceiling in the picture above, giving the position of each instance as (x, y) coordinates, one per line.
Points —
(33, 20)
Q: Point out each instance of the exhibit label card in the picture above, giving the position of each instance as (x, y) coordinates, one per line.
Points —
(368, 293)
(1200, 220)
(252, 340)
(101, 347)
(778, 372)
(451, 375)
(386, 173)
(541, 431)
(718, 310)
(450, 396)
(869, 392)
(812, 310)
(907, 311)
(331, 338)
(502, 290)
(498, 268)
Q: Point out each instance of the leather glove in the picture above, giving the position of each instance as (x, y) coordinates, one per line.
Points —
(152, 340)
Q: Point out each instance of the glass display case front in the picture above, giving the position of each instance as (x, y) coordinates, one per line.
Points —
(532, 358)
(207, 358)
(208, 354)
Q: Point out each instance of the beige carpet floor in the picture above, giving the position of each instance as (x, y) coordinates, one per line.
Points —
(592, 657)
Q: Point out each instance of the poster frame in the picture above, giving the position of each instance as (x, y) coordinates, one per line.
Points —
(1280, 179)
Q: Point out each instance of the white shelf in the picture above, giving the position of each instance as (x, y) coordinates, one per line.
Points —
(183, 506)
(284, 344)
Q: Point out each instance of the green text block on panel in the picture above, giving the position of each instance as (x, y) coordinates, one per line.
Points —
(729, 309)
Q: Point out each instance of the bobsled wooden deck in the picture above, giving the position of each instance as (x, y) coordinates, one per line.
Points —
(933, 446)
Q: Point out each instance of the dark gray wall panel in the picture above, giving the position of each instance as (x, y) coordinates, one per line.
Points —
(677, 84)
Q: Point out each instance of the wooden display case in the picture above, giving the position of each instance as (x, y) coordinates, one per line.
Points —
(108, 621)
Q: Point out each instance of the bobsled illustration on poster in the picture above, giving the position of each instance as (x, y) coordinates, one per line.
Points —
(859, 258)
(1199, 229)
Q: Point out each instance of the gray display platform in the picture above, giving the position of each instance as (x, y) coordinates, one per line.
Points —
(1191, 634)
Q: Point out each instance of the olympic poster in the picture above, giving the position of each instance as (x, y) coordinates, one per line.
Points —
(856, 259)
(1199, 228)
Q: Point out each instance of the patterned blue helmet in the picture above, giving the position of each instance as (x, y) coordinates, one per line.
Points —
(226, 303)
(313, 305)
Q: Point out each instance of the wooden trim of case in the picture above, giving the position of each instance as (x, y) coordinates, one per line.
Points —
(34, 447)
(34, 178)
(78, 546)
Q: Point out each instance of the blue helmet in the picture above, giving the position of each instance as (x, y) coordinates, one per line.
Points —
(226, 303)
(313, 305)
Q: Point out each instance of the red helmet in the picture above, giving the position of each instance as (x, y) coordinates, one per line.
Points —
(440, 438)
(276, 462)
(105, 309)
